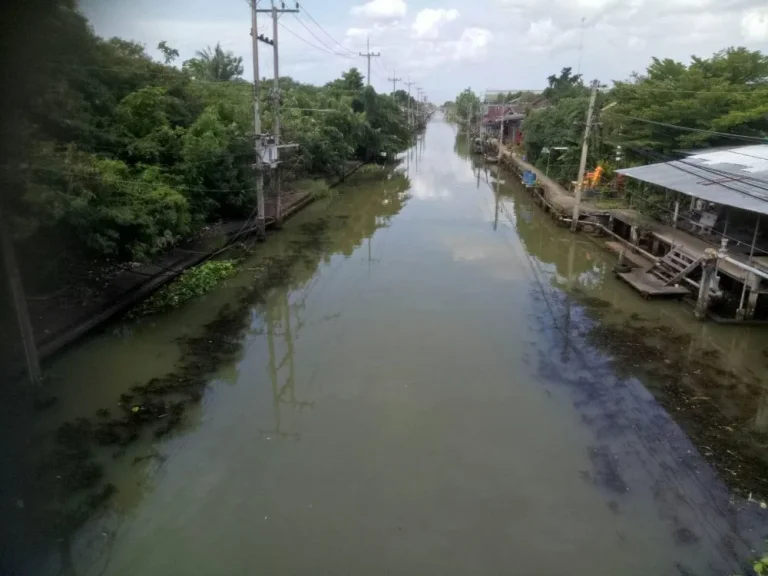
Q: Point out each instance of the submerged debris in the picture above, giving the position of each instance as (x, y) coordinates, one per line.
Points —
(706, 400)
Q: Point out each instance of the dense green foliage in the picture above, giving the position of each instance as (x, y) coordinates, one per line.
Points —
(725, 93)
(565, 85)
(558, 126)
(213, 64)
(468, 107)
(190, 284)
(116, 155)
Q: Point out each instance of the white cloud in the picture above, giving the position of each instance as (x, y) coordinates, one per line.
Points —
(428, 22)
(754, 26)
(473, 44)
(636, 43)
(357, 33)
(381, 10)
(545, 36)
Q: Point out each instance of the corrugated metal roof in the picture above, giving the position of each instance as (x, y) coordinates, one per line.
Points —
(735, 177)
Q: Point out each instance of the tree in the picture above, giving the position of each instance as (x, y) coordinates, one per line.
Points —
(352, 80)
(468, 107)
(119, 156)
(558, 126)
(214, 64)
(566, 85)
(169, 54)
(727, 92)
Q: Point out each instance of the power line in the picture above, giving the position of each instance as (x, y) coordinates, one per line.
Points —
(325, 32)
(762, 140)
(676, 91)
(319, 39)
(676, 166)
(670, 160)
(308, 43)
(137, 183)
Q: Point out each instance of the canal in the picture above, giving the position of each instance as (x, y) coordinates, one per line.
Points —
(432, 378)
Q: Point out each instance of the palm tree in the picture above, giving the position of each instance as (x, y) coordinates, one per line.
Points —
(215, 64)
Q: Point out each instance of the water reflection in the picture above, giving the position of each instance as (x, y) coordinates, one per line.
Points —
(281, 367)
(210, 338)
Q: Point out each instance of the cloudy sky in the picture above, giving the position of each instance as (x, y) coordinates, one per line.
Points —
(446, 45)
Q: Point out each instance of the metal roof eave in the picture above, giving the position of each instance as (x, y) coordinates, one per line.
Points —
(726, 188)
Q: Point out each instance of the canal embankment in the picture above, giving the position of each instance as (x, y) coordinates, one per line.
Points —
(60, 320)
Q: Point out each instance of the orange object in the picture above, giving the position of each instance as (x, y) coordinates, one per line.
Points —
(592, 179)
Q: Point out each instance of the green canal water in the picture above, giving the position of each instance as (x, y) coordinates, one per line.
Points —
(416, 376)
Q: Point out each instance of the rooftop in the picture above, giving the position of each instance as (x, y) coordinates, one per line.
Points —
(735, 177)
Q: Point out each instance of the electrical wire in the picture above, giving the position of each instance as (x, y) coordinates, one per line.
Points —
(136, 183)
(305, 11)
(320, 39)
(763, 140)
(675, 91)
(674, 163)
(641, 150)
(308, 43)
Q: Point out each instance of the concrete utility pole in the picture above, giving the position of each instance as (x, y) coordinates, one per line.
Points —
(410, 112)
(419, 90)
(275, 157)
(368, 54)
(583, 161)
(257, 165)
(394, 81)
(16, 289)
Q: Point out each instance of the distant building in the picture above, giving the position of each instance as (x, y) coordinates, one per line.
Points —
(507, 115)
(491, 96)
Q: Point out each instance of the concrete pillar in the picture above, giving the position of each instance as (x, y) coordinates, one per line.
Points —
(707, 277)
(754, 291)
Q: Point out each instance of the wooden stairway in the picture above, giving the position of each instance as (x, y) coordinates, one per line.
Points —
(675, 266)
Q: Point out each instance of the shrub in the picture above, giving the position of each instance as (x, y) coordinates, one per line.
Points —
(190, 284)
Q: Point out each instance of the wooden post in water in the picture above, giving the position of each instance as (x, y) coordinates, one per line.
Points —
(707, 276)
(754, 291)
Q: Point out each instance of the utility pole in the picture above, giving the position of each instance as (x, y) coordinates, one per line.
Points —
(418, 100)
(368, 54)
(274, 154)
(19, 303)
(394, 81)
(260, 218)
(583, 161)
(410, 113)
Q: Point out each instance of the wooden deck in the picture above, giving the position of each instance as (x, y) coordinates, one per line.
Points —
(650, 286)
(694, 245)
